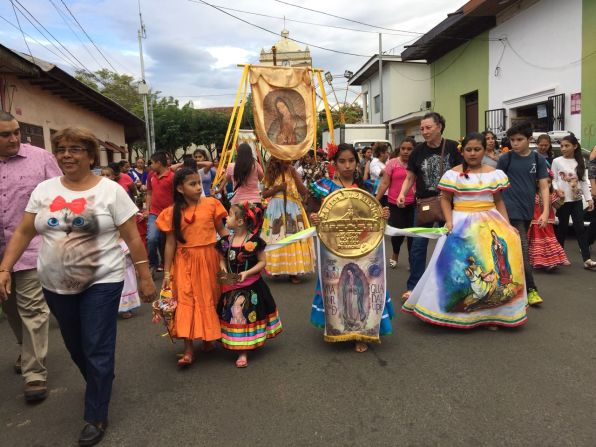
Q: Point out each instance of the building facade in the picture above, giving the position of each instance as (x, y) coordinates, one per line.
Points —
(44, 99)
(406, 94)
(287, 53)
(497, 63)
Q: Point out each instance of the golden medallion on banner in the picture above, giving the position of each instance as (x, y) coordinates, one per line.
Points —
(351, 223)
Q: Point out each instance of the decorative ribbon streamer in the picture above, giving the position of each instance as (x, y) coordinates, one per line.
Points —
(429, 233)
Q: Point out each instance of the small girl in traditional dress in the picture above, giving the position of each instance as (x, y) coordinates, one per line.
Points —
(130, 295)
(246, 309)
(544, 250)
(191, 261)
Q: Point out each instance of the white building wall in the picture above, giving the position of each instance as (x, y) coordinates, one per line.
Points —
(405, 87)
(547, 35)
(408, 86)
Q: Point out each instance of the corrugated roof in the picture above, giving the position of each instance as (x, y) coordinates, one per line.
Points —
(472, 19)
(53, 79)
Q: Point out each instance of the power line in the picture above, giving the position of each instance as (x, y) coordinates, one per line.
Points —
(46, 30)
(542, 67)
(273, 32)
(300, 21)
(88, 36)
(64, 19)
(419, 34)
(16, 16)
(81, 65)
(349, 20)
(39, 43)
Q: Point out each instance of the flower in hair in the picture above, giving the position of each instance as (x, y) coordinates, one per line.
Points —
(331, 150)
(505, 149)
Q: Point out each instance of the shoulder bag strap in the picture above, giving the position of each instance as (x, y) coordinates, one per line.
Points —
(442, 159)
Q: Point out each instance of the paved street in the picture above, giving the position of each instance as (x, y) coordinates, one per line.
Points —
(423, 386)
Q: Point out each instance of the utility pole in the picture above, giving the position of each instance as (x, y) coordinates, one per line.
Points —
(144, 91)
(381, 74)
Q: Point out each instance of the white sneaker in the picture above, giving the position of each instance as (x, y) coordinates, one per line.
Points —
(590, 265)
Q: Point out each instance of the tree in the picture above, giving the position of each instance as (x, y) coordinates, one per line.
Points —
(247, 117)
(343, 114)
(120, 88)
(173, 125)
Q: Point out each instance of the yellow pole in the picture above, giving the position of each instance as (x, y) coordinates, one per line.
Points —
(224, 155)
(327, 111)
(315, 115)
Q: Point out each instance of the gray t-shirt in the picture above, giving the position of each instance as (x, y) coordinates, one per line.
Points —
(523, 173)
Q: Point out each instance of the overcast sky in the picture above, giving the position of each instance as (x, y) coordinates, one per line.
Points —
(191, 50)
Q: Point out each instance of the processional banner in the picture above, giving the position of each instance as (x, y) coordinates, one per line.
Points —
(352, 265)
(284, 116)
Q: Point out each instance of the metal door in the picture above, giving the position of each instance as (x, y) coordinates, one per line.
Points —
(556, 112)
(495, 120)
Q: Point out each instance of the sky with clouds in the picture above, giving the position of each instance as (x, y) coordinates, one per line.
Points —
(192, 50)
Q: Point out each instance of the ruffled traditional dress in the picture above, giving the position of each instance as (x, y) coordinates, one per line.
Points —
(130, 295)
(544, 250)
(476, 274)
(194, 271)
(247, 312)
(322, 189)
(283, 220)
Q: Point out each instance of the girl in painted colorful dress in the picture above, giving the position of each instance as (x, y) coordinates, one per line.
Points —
(191, 261)
(544, 250)
(476, 274)
(246, 309)
(285, 216)
(345, 161)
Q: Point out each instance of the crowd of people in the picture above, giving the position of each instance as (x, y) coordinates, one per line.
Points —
(89, 247)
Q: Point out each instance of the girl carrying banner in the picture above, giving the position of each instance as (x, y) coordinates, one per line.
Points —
(358, 278)
(284, 216)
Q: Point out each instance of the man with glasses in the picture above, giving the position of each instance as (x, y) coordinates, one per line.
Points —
(22, 167)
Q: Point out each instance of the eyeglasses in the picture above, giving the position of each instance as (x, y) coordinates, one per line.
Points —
(75, 150)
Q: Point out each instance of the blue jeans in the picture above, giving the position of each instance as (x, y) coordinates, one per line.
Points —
(154, 241)
(418, 256)
(88, 325)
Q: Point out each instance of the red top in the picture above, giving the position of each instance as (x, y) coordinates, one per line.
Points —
(125, 181)
(162, 191)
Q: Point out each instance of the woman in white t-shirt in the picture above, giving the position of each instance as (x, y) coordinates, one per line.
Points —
(80, 217)
(377, 167)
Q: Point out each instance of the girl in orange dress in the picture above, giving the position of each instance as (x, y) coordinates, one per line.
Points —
(191, 261)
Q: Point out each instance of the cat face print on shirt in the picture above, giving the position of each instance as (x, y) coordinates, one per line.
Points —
(74, 257)
(76, 216)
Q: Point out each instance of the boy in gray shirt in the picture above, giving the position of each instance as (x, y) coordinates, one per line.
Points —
(525, 169)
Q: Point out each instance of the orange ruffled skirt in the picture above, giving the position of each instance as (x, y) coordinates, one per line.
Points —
(195, 287)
